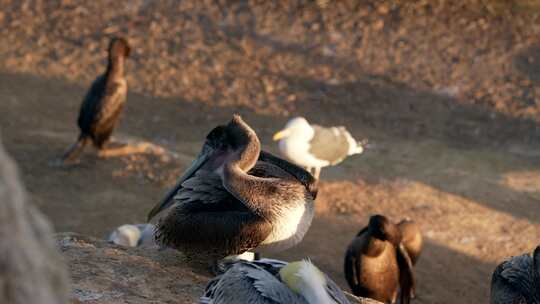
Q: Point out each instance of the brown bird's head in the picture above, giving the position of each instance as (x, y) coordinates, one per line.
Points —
(119, 47)
(381, 228)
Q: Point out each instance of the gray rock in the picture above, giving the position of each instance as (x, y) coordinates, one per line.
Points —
(32, 270)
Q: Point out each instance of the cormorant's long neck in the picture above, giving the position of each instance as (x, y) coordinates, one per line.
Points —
(115, 67)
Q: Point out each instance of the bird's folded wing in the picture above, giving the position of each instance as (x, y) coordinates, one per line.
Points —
(406, 275)
(335, 292)
(329, 144)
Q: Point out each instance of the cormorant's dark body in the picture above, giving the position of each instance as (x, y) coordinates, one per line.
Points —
(101, 110)
(104, 102)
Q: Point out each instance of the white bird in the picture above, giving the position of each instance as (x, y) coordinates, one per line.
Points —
(269, 281)
(313, 146)
(133, 235)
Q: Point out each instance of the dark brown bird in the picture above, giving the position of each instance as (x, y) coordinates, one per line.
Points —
(517, 280)
(235, 198)
(411, 238)
(103, 103)
(377, 266)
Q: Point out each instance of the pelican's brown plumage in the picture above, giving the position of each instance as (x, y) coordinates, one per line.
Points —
(236, 198)
(517, 280)
(377, 265)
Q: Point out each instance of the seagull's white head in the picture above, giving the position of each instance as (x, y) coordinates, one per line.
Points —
(307, 280)
(126, 235)
(296, 127)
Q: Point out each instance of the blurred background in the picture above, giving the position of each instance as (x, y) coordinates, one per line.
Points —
(447, 91)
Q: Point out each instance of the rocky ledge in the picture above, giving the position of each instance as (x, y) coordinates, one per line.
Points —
(106, 273)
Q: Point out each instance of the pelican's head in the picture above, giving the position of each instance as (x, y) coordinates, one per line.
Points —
(234, 143)
(307, 280)
(296, 127)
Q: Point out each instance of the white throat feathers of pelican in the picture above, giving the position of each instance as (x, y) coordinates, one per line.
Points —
(307, 280)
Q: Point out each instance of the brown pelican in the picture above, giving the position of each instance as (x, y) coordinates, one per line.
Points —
(235, 198)
(377, 266)
(313, 146)
(138, 235)
(31, 268)
(269, 281)
(517, 280)
(101, 108)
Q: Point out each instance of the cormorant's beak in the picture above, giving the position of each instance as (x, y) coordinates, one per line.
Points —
(168, 200)
(281, 134)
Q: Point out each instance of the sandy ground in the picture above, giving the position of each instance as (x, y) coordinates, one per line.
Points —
(452, 151)
(476, 205)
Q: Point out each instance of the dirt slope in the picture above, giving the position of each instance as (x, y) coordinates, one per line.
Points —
(456, 135)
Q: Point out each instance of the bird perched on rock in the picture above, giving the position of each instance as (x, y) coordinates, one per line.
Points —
(31, 268)
(236, 198)
(377, 265)
(101, 108)
(269, 281)
(411, 238)
(313, 146)
(517, 280)
(133, 235)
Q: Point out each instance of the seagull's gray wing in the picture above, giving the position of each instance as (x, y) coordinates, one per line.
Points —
(335, 292)
(330, 144)
(246, 282)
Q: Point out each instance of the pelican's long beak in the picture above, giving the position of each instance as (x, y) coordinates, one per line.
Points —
(281, 134)
(168, 199)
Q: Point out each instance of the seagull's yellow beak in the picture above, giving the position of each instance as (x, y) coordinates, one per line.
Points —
(281, 134)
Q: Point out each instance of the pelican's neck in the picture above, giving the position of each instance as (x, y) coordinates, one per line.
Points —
(250, 190)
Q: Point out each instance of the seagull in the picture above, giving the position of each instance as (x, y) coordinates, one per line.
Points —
(269, 281)
(517, 280)
(313, 146)
(236, 198)
(138, 235)
(377, 265)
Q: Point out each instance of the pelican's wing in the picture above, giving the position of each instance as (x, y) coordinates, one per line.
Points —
(204, 187)
(246, 282)
(335, 292)
(511, 279)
